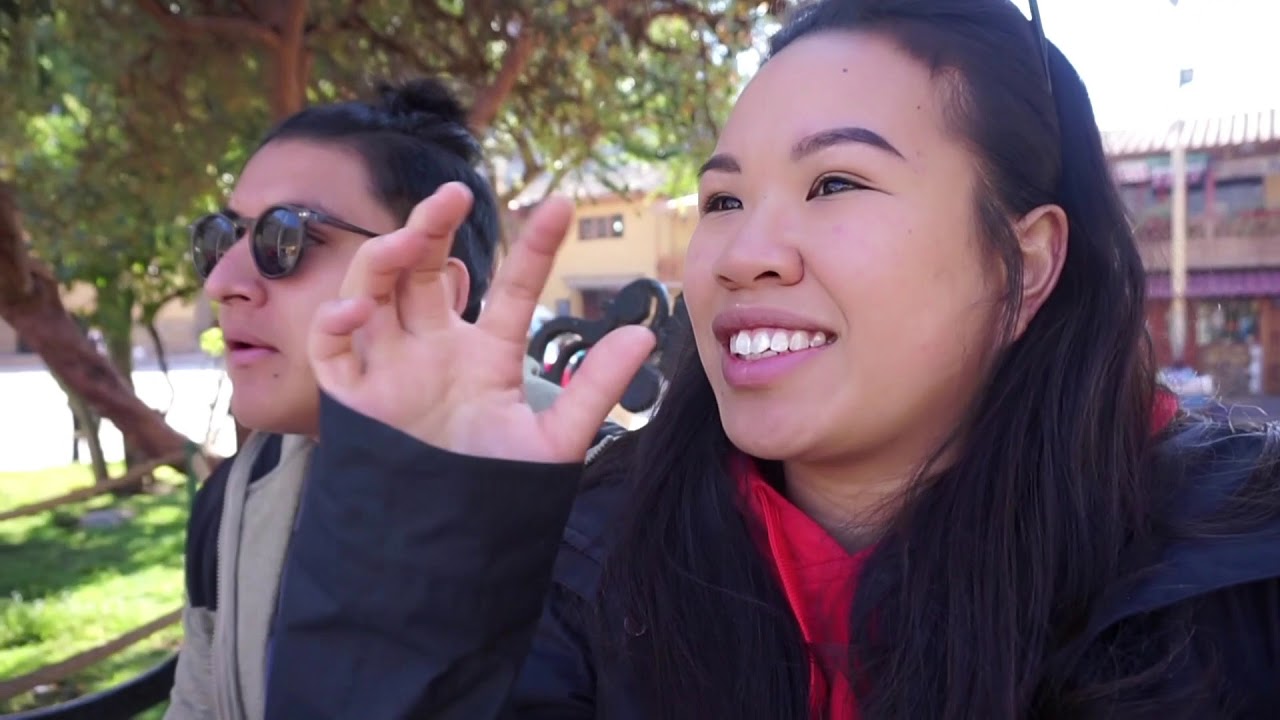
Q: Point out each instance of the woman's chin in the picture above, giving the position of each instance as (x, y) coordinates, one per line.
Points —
(774, 444)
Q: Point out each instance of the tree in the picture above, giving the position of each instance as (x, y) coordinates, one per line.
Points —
(70, 145)
(136, 114)
(29, 301)
(552, 84)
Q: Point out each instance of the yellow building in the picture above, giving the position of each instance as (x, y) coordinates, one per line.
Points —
(614, 239)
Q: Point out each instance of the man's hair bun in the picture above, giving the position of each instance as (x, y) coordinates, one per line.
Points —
(429, 110)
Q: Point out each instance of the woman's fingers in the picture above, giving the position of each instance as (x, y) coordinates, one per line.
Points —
(596, 388)
(331, 343)
(523, 274)
(419, 249)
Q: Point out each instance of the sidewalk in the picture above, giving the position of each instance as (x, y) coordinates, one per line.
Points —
(35, 421)
(31, 362)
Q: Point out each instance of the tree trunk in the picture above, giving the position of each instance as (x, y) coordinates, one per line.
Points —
(116, 313)
(29, 302)
(90, 424)
(162, 357)
(93, 438)
(290, 66)
(86, 425)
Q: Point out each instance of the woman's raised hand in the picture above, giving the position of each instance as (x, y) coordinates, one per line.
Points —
(393, 348)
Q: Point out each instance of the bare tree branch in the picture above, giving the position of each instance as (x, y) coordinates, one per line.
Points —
(490, 99)
(227, 28)
(16, 283)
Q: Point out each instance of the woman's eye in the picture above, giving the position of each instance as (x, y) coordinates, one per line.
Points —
(832, 184)
(721, 203)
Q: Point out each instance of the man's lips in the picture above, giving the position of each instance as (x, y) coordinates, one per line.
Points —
(241, 353)
(238, 345)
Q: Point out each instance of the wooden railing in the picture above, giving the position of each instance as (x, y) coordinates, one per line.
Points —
(130, 478)
(1254, 224)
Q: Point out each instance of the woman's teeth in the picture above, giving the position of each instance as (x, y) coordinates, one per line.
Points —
(768, 342)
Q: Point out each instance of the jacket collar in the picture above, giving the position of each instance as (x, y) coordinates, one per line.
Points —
(1220, 461)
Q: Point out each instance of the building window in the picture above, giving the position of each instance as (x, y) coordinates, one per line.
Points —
(1230, 321)
(1146, 201)
(597, 227)
(1239, 196)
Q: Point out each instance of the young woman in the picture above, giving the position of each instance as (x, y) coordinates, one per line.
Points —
(916, 464)
(319, 186)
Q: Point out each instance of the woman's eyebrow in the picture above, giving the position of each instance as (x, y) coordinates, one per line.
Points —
(824, 139)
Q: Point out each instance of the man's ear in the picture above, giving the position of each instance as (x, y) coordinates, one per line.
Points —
(1042, 237)
(458, 279)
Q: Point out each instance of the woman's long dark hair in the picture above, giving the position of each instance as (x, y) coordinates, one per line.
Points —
(989, 570)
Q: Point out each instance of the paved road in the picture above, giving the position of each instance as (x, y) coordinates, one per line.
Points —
(35, 422)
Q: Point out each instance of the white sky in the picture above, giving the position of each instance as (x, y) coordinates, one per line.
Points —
(1129, 53)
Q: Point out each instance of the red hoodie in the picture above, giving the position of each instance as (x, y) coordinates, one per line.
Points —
(819, 579)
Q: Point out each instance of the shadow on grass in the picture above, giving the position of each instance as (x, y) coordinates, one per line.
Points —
(80, 587)
(110, 673)
(49, 558)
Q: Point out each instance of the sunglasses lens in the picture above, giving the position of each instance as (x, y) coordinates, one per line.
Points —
(211, 237)
(277, 242)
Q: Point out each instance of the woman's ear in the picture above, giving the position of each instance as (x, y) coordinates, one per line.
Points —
(1042, 237)
(458, 280)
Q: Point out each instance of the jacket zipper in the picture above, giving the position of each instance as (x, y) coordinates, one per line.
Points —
(595, 450)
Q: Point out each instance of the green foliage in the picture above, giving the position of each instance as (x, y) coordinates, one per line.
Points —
(130, 118)
(110, 162)
(212, 343)
(66, 589)
(24, 623)
(606, 85)
(109, 168)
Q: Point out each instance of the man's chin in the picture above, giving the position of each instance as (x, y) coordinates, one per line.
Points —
(259, 414)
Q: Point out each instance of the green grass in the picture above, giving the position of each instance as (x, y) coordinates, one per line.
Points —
(64, 589)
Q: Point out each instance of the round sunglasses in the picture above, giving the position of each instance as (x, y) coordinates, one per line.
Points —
(277, 239)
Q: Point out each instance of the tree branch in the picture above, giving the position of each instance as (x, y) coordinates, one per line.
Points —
(30, 303)
(289, 91)
(489, 100)
(553, 183)
(394, 47)
(226, 28)
(16, 281)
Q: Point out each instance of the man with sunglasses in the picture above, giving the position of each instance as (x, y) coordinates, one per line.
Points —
(321, 184)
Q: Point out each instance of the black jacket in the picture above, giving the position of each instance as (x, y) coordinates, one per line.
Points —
(417, 577)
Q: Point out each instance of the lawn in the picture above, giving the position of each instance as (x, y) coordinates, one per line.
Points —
(65, 589)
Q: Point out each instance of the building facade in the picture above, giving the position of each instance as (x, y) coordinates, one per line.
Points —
(614, 239)
(1233, 242)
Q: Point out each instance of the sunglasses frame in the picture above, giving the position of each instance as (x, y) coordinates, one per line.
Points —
(254, 229)
(1038, 25)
